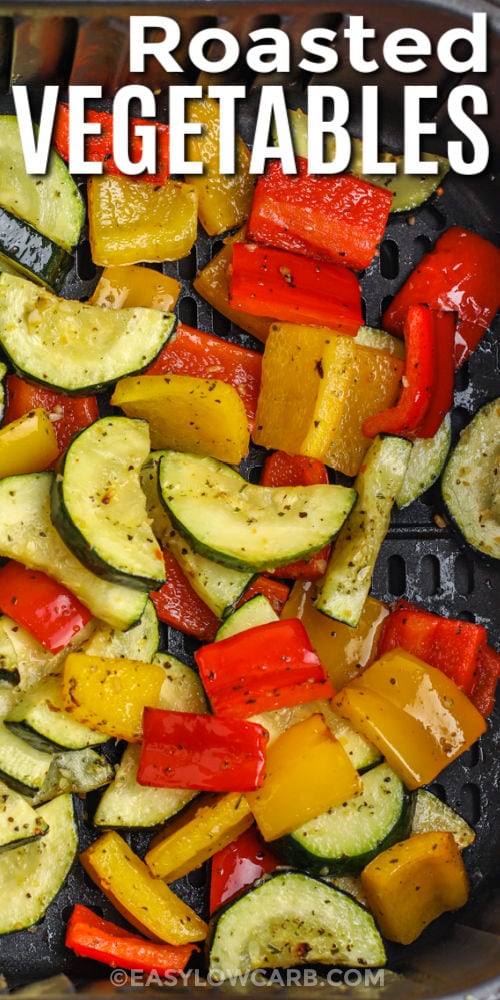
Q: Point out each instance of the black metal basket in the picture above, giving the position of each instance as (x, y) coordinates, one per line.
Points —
(87, 43)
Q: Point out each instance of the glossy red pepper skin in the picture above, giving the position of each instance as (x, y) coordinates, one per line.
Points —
(487, 677)
(280, 469)
(444, 375)
(266, 667)
(449, 644)
(460, 275)
(203, 355)
(404, 418)
(91, 936)
(72, 413)
(202, 752)
(265, 281)
(275, 590)
(179, 605)
(99, 148)
(339, 217)
(47, 609)
(237, 866)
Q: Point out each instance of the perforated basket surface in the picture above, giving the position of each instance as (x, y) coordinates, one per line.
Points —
(420, 558)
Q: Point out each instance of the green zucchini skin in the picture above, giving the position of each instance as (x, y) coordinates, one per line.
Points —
(75, 347)
(99, 508)
(30, 254)
(22, 766)
(32, 875)
(286, 920)
(469, 484)
(343, 840)
(244, 526)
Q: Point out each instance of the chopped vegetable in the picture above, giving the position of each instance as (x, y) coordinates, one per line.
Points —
(28, 444)
(41, 605)
(293, 288)
(238, 865)
(269, 666)
(280, 469)
(69, 414)
(91, 936)
(201, 751)
(427, 872)
(130, 285)
(459, 274)
(336, 217)
(179, 605)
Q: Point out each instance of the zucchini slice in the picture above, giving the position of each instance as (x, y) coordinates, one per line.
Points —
(28, 535)
(51, 202)
(42, 714)
(9, 671)
(99, 508)
(25, 251)
(427, 459)
(126, 803)
(286, 920)
(140, 642)
(344, 588)
(3, 372)
(470, 483)
(75, 347)
(432, 814)
(245, 526)
(219, 586)
(344, 839)
(22, 766)
(31, 876)
(257, 611)
(19, 823)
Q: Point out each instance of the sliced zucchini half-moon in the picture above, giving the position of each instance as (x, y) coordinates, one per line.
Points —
(31, 876)
(25, 251)
(75, 347)
(289, 919)
(99, 508)
(246, 526)
(471, 483)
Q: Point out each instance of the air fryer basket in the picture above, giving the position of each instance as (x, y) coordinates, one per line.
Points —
(422, 558)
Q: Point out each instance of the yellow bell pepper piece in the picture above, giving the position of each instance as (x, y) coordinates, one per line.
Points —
(307, 772)
(224, 200)
(132, 221)
(109, 695)
(416, 716)
(212, 283)
(317, 388)
(414, 882)
(145, 901)
(132, 285)
(203, 416)
(28, 444)
(202, 830)
(343, 650)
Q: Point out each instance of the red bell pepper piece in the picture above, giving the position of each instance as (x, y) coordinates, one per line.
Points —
(39, 604)
(418, 380)
(99, 148)
(449, 644)
(179, 605)
(91, 936)
(280, 469)
(71, 413)
(265, 667)
(292, 288)
(444, 371)
(487, 677)
(460, 275)
(237, 866)
(338, 217)
(203, 752)
(275, 590)
(192, 352)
